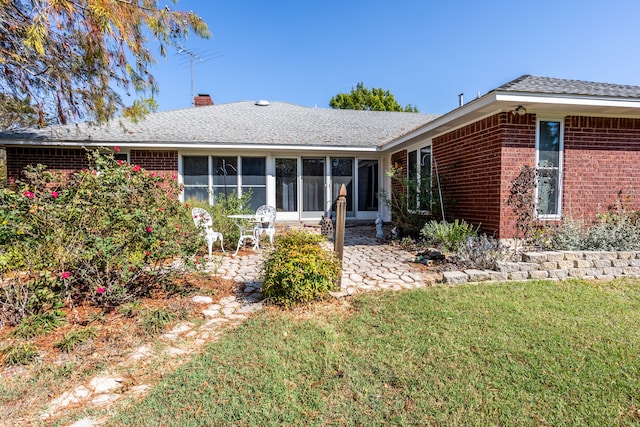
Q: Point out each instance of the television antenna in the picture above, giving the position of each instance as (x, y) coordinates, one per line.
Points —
(191, 56)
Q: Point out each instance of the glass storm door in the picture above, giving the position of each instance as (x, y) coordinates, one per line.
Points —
(313, 191)
(342, 173)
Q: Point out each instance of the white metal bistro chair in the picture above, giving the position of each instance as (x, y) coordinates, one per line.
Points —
(266, 222)
(203, 221)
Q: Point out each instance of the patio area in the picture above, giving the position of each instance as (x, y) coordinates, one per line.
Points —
(368, 265)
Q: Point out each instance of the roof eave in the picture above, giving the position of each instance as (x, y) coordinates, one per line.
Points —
(188, 146)
(541, 103)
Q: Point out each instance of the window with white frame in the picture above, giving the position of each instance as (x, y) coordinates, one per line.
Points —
(196, 177)
(549, 150)
(419, 179)
(214, 175)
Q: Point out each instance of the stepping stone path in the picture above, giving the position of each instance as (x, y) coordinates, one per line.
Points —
(367, 266)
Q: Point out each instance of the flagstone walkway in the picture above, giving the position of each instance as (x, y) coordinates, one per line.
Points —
(368, 265)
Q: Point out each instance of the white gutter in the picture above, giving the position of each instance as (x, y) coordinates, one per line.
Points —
(146, 145)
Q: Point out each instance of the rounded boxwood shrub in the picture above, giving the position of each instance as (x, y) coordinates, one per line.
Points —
(299, 270)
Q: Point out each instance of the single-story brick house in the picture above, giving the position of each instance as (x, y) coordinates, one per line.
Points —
(584, 136)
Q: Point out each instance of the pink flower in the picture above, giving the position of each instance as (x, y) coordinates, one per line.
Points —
(116, 149)
(149, 229)
(136, 168)
(174, 177)
(120, 162)
(148, 253)
(153, 174)
(65, 275)
(100, 290)
(186, 205)
(160, 209)
(54, 194)
(29, 195)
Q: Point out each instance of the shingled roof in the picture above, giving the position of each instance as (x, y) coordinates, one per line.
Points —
(535, 84)
(277, 123)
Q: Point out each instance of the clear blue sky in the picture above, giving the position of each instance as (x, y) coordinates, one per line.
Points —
(425, 52)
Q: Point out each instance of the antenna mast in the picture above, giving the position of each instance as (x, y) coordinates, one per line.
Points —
(194, 56)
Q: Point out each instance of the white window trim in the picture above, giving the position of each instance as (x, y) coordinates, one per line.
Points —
(418, 150)
(553, 217)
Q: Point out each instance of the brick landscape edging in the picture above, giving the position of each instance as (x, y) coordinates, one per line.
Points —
(556, 265)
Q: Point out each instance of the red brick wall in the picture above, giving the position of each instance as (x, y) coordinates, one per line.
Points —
(399, 161)
(472, 174)
(69, 160)
(64, 160)
(161, 162)
(478, 162)
(601, 165)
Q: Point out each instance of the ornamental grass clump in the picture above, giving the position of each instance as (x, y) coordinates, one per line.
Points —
(448, 235)
(299, 270)
(105, 235)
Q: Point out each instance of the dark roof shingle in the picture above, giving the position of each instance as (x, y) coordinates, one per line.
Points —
(278, 123)
(536, 84)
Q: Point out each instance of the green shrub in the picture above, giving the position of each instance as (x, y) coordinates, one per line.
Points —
(72, 339)
(155, 320)
(18, 354)
(448, 235)
(481, 251)
(103, 235)
(299, 270)
(614, 231)
(603, 236)
(39, 324)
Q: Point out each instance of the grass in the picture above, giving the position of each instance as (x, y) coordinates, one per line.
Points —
(536, 353)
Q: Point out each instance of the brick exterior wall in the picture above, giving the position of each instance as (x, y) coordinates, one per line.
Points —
(69, 160)
(601, 165)
(63, 160)
(476, 164)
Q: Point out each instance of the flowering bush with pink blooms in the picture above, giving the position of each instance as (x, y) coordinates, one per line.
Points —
(103, 236)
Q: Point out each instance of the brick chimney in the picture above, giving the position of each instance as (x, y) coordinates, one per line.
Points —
(202, 100)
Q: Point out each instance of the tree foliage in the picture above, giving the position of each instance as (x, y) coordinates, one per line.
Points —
(70, 59)
(374, 99)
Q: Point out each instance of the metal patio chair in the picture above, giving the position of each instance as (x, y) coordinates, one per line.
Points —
(203, 221)
(266, 222)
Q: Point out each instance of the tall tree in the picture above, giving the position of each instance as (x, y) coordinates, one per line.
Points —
(375, 99)
(63, 60)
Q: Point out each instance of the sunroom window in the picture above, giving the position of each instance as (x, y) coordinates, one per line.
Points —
(214, 175)
(196, 177)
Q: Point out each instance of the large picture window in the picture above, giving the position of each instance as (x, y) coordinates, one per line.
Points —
(214, 175)
(549, 146)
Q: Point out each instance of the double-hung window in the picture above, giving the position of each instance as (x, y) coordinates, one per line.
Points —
(549, 150)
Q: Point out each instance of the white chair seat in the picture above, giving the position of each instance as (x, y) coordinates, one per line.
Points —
(266, 218)
(202, 220)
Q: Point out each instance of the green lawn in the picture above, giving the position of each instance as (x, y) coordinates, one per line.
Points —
(513, 354)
